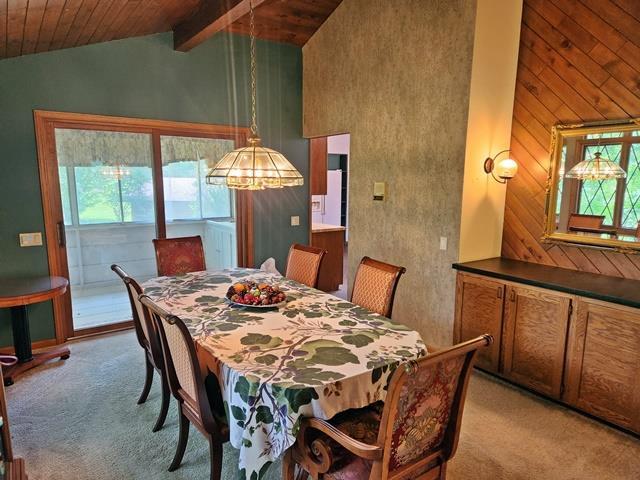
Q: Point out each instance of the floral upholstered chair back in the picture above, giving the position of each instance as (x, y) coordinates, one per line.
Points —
(177, 256)
(423, 410)
(303, 264)
(375, 285)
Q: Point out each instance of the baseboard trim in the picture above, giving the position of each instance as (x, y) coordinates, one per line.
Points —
(50, 342)
(114, 327)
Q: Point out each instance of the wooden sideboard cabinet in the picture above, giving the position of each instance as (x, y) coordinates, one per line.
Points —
(552, 336)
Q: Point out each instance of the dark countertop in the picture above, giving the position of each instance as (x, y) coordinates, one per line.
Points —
(601, 287)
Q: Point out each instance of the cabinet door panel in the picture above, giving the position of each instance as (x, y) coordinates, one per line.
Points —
(534, 336)
(603, 366)
(318, 161)
(479, 305)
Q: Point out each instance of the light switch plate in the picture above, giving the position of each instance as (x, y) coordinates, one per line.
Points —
(295, 221)
(443, 243)
(379, 190)
(33, 239)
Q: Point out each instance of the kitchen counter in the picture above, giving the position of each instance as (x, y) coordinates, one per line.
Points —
(331, 239)
(323, 227)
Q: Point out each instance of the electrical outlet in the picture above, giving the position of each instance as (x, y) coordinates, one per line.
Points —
(31, 239)
(295, 221)
(443, 243)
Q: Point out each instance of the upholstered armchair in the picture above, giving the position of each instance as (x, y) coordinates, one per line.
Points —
(411, 436)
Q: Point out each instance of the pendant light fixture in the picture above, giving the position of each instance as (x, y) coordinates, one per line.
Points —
(254, 167)
(596, 168)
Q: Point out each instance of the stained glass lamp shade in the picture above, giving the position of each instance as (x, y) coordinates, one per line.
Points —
(596, 168)
(254, 168)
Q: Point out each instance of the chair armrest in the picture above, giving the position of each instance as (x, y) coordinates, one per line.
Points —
(361, 449)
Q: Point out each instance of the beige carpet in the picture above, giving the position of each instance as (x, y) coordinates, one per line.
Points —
(79, 420)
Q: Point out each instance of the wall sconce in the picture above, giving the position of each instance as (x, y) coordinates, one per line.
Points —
(505, 169)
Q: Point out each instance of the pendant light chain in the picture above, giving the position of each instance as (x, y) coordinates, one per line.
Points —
(254, 167)
(254, 122)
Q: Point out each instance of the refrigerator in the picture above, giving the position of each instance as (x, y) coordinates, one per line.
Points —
(327, 208)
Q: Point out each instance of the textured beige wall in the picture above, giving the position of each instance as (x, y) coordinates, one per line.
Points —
(493, 84)
(396, 75)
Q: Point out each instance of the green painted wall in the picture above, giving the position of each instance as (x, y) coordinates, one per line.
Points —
(144, 77)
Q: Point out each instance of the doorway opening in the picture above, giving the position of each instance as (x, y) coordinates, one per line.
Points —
(330, 208)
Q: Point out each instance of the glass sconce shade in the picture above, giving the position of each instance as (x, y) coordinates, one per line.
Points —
(506, 169)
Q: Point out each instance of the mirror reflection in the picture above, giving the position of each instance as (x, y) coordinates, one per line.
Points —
(595, 185)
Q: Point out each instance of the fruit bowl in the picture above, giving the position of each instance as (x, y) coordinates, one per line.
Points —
(256, 295)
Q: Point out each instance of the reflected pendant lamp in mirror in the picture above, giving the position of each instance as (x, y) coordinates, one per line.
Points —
(254, 167)
(596, 168)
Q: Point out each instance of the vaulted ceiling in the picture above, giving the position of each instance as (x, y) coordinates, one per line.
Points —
(32, 26)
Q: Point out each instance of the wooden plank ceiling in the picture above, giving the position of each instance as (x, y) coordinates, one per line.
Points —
(579, 61)
(32, 26)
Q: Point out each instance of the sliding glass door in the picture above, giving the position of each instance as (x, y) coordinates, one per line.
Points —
(191, 206)
(110, 185)
(107, 193)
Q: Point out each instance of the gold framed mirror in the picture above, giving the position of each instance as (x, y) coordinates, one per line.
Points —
(593, 190)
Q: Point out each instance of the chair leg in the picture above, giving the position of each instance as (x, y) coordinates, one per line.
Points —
(164, 406)
(147, 381)
(443, 471)
(215, 457)
(288, 466)
(183, 437)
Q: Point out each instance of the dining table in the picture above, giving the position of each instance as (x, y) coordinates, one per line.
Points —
(315, 356)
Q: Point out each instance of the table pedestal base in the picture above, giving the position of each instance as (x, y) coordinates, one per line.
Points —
(14, 371)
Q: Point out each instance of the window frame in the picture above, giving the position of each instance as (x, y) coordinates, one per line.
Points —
(625, 141)
(72, 192)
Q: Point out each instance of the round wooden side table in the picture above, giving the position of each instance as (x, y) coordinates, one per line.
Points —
(17, 294)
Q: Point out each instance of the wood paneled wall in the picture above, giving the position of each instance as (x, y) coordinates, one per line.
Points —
(579, 61)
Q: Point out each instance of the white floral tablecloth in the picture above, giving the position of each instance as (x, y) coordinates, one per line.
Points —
(317, 356)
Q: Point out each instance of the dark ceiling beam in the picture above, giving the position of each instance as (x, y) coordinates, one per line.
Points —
(212, 17)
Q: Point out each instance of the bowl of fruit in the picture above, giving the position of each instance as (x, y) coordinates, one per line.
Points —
(256, 295)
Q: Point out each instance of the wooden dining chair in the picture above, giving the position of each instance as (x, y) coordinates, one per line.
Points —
(199, 404)
(303, 264)
(149, 340)
(374, 287)
(638, 231)
(177, 256)
(411, 436)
